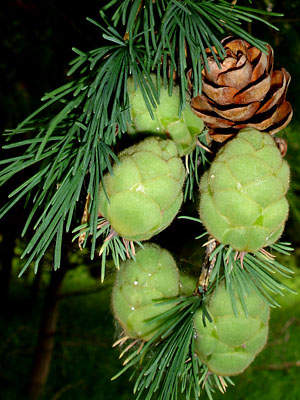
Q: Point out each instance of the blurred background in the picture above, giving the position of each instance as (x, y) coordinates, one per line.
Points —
(62, 321)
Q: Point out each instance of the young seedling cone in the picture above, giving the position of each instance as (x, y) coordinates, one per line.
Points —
(167, 123)
(144, 193)
(230, 343)
(242, 200)
(152, 276)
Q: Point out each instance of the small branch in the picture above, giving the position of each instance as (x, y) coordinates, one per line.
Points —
(207, 267)
(82, 292)
(84, 343)
(278, 367)
(277, 20)
(84, 219)
(64, 389)
(288, 323)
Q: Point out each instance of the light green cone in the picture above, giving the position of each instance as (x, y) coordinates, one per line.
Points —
(153, 275)
(229, 344)
(187, 284)
(145, 190)
(167, 124)
(242, 195)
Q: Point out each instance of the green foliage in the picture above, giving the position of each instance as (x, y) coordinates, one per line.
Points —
(244, 272)
(55, 188)
(84, 361)
(175, 30)
(170, 367)
(69, 151)
(67, 155)
(75, 143)
(274, 372)
(182, 130)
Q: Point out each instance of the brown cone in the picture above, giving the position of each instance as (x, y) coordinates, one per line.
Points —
(244, 92)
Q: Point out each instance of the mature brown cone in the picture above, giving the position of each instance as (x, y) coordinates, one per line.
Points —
(244, 92)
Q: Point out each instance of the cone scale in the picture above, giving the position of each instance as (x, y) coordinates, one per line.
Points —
(242, 90)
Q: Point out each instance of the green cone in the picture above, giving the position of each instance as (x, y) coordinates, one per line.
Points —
(145, 190)
(187, 284)
(242, 196)
(153, 275)
(183, 130)
(229, 344)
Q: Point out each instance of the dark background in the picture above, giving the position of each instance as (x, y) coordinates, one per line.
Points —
(35, 48)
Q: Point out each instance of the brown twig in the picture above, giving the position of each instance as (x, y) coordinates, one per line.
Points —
(279, 367)
(284, 333)
(67, 387)
(206, 268)
(84, 219)
(82, 292)
(83, 343)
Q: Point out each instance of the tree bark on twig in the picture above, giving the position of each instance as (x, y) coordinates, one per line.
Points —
(46, 337)
(7, 247)
(35, 288)
(278, 367)
(83, 292)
